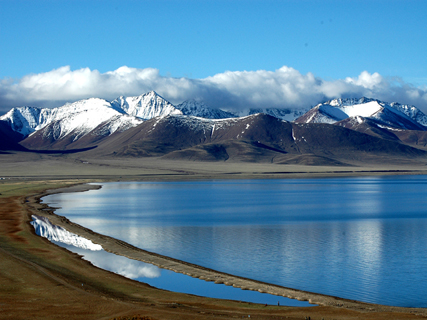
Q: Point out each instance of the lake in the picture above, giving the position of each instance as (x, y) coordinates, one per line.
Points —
(356, 238)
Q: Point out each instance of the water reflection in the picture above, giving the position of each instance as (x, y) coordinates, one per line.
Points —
(126, 267)
(357, 238)
(168, 280)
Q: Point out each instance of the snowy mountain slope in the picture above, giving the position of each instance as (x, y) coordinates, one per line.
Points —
(411, 111)
(78, 132)
(322, 114)
(284, 114)
(80, 117)
(200, 109)
(388, 115)
(146, 106)
(24, 120)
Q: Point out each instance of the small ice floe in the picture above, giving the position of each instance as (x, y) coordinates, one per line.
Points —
(44, 228)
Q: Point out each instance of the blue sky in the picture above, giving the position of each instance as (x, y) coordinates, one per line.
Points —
(196, 40)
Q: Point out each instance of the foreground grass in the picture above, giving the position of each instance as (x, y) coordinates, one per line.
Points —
(22, 188)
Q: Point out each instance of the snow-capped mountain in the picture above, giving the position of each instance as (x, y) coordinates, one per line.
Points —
(146, 106)
(201, 110)
(284, 114)
(100, 117)
(149, 125)
(77, 118)
(394, 115)
(83, 116)
(411, 111)
(25, 120)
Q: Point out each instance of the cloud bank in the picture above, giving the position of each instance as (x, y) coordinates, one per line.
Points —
(231, 90)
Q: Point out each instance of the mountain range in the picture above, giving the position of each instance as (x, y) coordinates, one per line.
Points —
(336, 132)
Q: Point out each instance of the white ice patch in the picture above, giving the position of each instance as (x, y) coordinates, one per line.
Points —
(44, 228)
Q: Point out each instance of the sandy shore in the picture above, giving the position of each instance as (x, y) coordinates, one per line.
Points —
(124, 249)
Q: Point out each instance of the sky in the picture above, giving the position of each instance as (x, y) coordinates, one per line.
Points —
(232, 54)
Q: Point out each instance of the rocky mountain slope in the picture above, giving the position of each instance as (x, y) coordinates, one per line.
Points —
(253, 138)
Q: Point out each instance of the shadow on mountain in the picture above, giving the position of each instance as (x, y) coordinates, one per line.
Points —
(9, 139)
(60, 151)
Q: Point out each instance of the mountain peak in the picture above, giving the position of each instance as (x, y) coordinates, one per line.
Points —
(199, 109)
(23, 120)
(153, 94)
(384, 114)
(145, 106)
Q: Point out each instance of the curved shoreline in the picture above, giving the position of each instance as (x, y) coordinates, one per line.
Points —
(124, 249)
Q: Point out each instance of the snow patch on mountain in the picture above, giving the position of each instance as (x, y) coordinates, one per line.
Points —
(44, 228)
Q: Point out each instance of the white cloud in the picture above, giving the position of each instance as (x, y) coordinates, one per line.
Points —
(285, 87)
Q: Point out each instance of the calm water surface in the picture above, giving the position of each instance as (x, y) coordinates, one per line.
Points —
(356, 238)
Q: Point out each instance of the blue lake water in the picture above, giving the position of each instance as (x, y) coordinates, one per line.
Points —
(356, 238)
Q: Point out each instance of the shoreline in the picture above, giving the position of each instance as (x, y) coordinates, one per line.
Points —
(124, 249)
